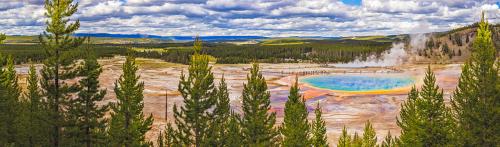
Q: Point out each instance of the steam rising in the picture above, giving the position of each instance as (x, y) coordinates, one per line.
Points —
(394, 56)
(417, 41)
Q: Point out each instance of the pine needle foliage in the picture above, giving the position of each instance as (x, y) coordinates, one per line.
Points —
(369, 135)
(86, 115)
(257, 123)
(222, 113)
(295, 128)
(234, 135)
(356, 141)
(476, 101)
(388, 141)
(425, 120)
(60, 65)
(344, 139)
(128, 125)
(408, 120)
(9, 103)
(33, 125)
(318, 129)
(199, 94)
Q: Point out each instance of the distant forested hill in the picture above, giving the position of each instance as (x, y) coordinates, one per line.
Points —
(454, 45)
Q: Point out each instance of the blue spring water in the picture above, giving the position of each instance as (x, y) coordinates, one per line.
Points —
(358, 83)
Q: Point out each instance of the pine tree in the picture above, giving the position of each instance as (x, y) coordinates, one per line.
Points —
(198, 90)
(2, 37)
(356, 140)
(169, 135)
(369, 135)
(345, 139)
(425, 119)
(408, 120)
(295, 127)
(257, 124)
(59, 66)
(160, 141)
(87, 117)
(318, 130)
(220, 122)
(166, 137)
(33, 114)
(128, 125)
(476, 101)
(437, 122)
(9, 103)
(234, 136)
(388, 141)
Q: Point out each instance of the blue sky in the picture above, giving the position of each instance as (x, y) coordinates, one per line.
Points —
(255, 17)
(352, 2)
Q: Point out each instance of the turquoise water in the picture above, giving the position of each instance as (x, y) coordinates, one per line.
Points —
(358, 83)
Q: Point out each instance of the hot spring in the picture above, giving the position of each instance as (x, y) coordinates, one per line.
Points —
(358, 83)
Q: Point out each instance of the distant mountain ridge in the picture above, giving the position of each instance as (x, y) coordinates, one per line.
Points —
(172, 38)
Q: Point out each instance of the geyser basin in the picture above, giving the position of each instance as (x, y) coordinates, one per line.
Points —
(358, 83)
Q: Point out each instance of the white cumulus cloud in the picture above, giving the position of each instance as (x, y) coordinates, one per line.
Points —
(255, 17)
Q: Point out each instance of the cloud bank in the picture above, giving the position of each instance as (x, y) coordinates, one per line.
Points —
(255, 17)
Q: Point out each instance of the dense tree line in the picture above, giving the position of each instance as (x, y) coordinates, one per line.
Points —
(320, 51)
(29, 53)
(54, 110)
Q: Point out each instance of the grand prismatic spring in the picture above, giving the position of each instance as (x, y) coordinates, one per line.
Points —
(354, 83)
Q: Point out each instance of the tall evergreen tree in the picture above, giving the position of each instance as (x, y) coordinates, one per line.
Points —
(33, 124)
(128, 125)
(437, 121)
(198, 90)
(408, 121)
(318, 130)
(87, 117)
(219, 125)
(369, 135)
(431, 123)
(60, 64)
(476, 101)
(345, 139)
(257, 124)
(295, 128)
(4, 115)
(9, 103)
(234, 136)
